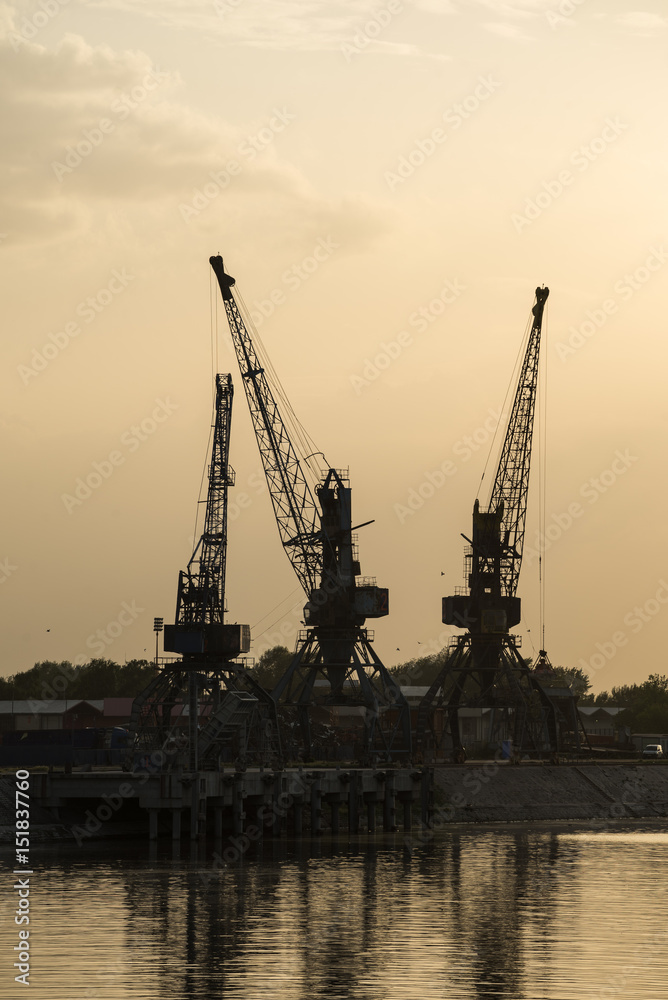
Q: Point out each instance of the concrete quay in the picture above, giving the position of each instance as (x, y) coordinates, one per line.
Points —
(254, 802)
(496, 792)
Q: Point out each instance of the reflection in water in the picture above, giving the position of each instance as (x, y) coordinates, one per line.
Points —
(522, 915)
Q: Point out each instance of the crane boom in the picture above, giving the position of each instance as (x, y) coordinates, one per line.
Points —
(295, 509)
(241, 717)
(318, 536)
(483, 667)
(511, 484)
(201, 593)
(200, 602)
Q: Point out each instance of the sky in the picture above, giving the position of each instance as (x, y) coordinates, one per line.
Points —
(388, 182)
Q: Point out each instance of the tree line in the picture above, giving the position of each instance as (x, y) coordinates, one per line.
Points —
(423, 670)
(99, 678)
(102, 678)
(645, 705)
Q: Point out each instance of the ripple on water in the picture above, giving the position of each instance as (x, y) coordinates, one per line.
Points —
(520, 915)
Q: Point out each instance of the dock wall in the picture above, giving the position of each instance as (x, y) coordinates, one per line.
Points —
(253, 803)
(258, 803)
(496, 792)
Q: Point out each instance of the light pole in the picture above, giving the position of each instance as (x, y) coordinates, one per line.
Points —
(157, 628)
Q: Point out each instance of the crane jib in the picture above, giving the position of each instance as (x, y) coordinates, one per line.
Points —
(294, 507)
(511, 484)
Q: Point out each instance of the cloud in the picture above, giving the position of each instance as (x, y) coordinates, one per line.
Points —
(304, 25)
(507, 31)
(74, 106)
(517, 8)
(436, 6)
(286, 25)
(94, 141)
(642, 20)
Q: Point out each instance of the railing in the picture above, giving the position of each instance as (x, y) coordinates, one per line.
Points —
(343, 474)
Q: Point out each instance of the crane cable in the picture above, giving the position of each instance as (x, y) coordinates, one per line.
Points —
(213, 325)
(542, 471)
(213, 299)
(289, 597)
(305, 449)
(303, 443)
(542, 480)
(306, 443)
(510, 392)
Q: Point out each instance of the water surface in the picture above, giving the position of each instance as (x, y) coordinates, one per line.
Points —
(516, 913)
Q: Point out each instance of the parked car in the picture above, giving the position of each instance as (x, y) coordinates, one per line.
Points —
(653, 750)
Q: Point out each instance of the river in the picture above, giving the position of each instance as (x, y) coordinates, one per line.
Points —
(519, 913)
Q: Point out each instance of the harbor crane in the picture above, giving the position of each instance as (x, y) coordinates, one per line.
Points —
(334, 664)
(483, 669)
(229, 714)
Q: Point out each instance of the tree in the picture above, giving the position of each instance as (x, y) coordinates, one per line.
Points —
(645, 705)
(135, 676)
(271, 666)
(100, 678)
(572, 677)
(97, 679)
(46, 680)
(603, 698)
(420, 671)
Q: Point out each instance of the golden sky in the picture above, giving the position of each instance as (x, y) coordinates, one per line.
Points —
(388, 182)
